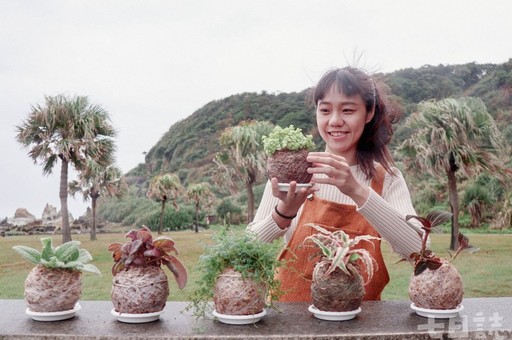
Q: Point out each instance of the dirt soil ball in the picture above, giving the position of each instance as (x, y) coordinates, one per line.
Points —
(337, 292)
(437, 289)
(289, 166)
(234, 295)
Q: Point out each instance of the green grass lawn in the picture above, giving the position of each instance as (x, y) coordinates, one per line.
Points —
(486, 273)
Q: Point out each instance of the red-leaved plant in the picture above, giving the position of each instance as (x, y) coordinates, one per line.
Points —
(143, 251)
(140, 285)
(426, 258)
(435, 283)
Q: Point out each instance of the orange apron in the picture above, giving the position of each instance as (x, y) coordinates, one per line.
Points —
(296, 274)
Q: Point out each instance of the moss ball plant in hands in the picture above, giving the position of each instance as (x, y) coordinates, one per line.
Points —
(435, 282)
(237, 275)
(287, 149)
(289, 138)
(338, 285)
(140, 285)
(55, 283)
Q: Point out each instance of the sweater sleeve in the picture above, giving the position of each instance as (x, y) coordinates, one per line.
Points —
(387, 214)
(263, 226)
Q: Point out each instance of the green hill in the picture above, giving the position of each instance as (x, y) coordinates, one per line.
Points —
(189, 145)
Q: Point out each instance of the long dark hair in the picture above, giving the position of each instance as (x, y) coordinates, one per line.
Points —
(377, 133)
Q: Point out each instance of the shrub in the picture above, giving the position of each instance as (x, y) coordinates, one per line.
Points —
(172, 219)
(229, 212)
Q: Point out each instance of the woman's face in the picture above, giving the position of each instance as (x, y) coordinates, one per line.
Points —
(341, 120)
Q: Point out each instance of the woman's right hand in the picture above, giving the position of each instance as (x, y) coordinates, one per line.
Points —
(291, 200)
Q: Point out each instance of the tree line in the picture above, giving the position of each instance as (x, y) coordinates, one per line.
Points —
(443, 144)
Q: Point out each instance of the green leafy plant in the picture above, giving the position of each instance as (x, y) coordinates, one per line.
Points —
(55, 284)
(253, 259)
(289, 138)
(337, 249)
(69, 256)
(143, 251)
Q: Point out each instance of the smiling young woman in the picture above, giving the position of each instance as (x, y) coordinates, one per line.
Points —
(341, 120)
(356, 186)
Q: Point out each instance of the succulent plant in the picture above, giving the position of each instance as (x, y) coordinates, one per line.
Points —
(69, 256)
(287, 149)
(337, 284)
(54, 284)
(139, 284)
(435, 282)
(289, 138)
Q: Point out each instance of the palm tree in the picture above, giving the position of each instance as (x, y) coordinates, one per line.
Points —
(503, 218)
(476, 198)
(242, 158)
(70, 130)
(95, 181)
(199, 193)
(454, 138)
(163, 188)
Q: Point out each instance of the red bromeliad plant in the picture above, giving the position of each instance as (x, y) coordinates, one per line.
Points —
(140, 285)
(435, 283)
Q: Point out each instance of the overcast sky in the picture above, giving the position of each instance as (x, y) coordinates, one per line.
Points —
(153, 63)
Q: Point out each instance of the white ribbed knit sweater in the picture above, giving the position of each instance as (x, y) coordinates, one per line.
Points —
(385, 213)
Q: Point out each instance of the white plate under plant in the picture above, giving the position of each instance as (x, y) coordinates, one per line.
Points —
(285, 186)
(333, 316)
(54, 316)
(136, 318)
(437, 313)
(239, 319)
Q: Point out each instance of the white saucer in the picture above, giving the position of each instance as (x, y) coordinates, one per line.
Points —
(136, 318)
(54, 316)
(239, 319)
(284, 186)
(333, 316)
(437, 313)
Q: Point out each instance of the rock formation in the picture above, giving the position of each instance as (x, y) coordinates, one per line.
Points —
(22, 217)
(50, 213)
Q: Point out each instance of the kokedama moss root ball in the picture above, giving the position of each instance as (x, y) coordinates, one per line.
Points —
(287, 150)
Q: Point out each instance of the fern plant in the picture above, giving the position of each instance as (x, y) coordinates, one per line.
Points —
(253, 259)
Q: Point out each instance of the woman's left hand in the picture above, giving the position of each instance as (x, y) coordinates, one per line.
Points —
(338, 173)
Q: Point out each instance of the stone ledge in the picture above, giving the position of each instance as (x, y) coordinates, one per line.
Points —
(482, 318)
